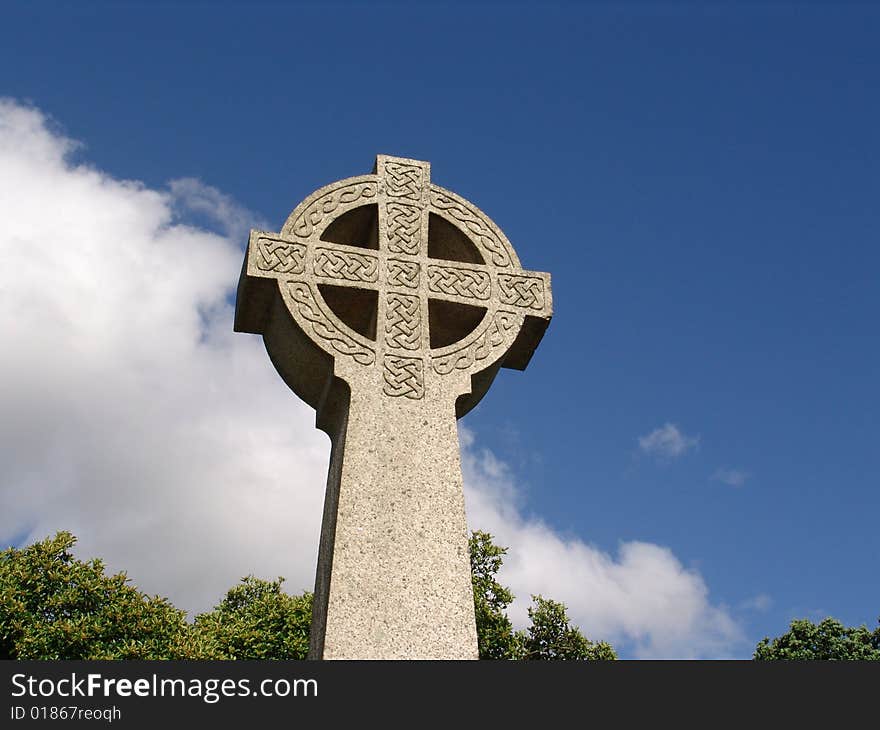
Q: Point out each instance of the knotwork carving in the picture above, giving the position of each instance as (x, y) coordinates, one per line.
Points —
(323, 328)
(312, 216)
(344, 265)
(404, 225)
(413, 286)
(403, 328)
(479, 348)
(463, 282)
(280, 256)
(475, 225)
(403, 181)
(403, 273)
(521, 291)
(404, 376)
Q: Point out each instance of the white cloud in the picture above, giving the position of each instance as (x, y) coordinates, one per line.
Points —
(642, 598)
(191, 195)
(667, 442)
(134, 417)
(132, 414)
(731, 477)
(760, 602)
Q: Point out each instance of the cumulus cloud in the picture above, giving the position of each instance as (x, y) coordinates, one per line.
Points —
(731, 477)
(641, 598)
(132, 414)
(667, 442)
(189, 195)
(134, 417)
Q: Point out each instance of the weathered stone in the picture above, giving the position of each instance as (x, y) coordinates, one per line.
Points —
(388, 304)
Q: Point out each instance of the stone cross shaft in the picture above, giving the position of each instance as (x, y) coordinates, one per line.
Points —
(388, 304)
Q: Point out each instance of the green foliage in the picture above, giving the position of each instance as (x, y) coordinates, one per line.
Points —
(550, 635)
(257, 621)
(495, 635)
(829, 640)
(53, 606)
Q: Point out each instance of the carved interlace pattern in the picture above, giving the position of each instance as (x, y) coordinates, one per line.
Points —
(403, 273)
(345, 265)
(404, 376)
(404, 224)
(478, 349)
(521, 291)
(280, 256)
(406, 279)
(312, 216)
(403, 181)
(462, 282)
(323, 327)
(403, 328)
(487, 238)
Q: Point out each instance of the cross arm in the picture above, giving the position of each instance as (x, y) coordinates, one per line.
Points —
(268, 257)
(525, 292)
(271, 256)
(530, 292)
(477, 284)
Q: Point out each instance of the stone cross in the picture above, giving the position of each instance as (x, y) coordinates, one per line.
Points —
(388, 304)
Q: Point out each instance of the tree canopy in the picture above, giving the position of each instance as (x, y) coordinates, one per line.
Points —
(495, 635)
(829, 639)
(550, 634)
(257, 620)
(54, 606)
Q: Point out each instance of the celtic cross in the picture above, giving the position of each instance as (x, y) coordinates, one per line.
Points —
(388, 304)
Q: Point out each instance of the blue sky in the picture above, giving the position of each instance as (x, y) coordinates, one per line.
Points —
(701, 180)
